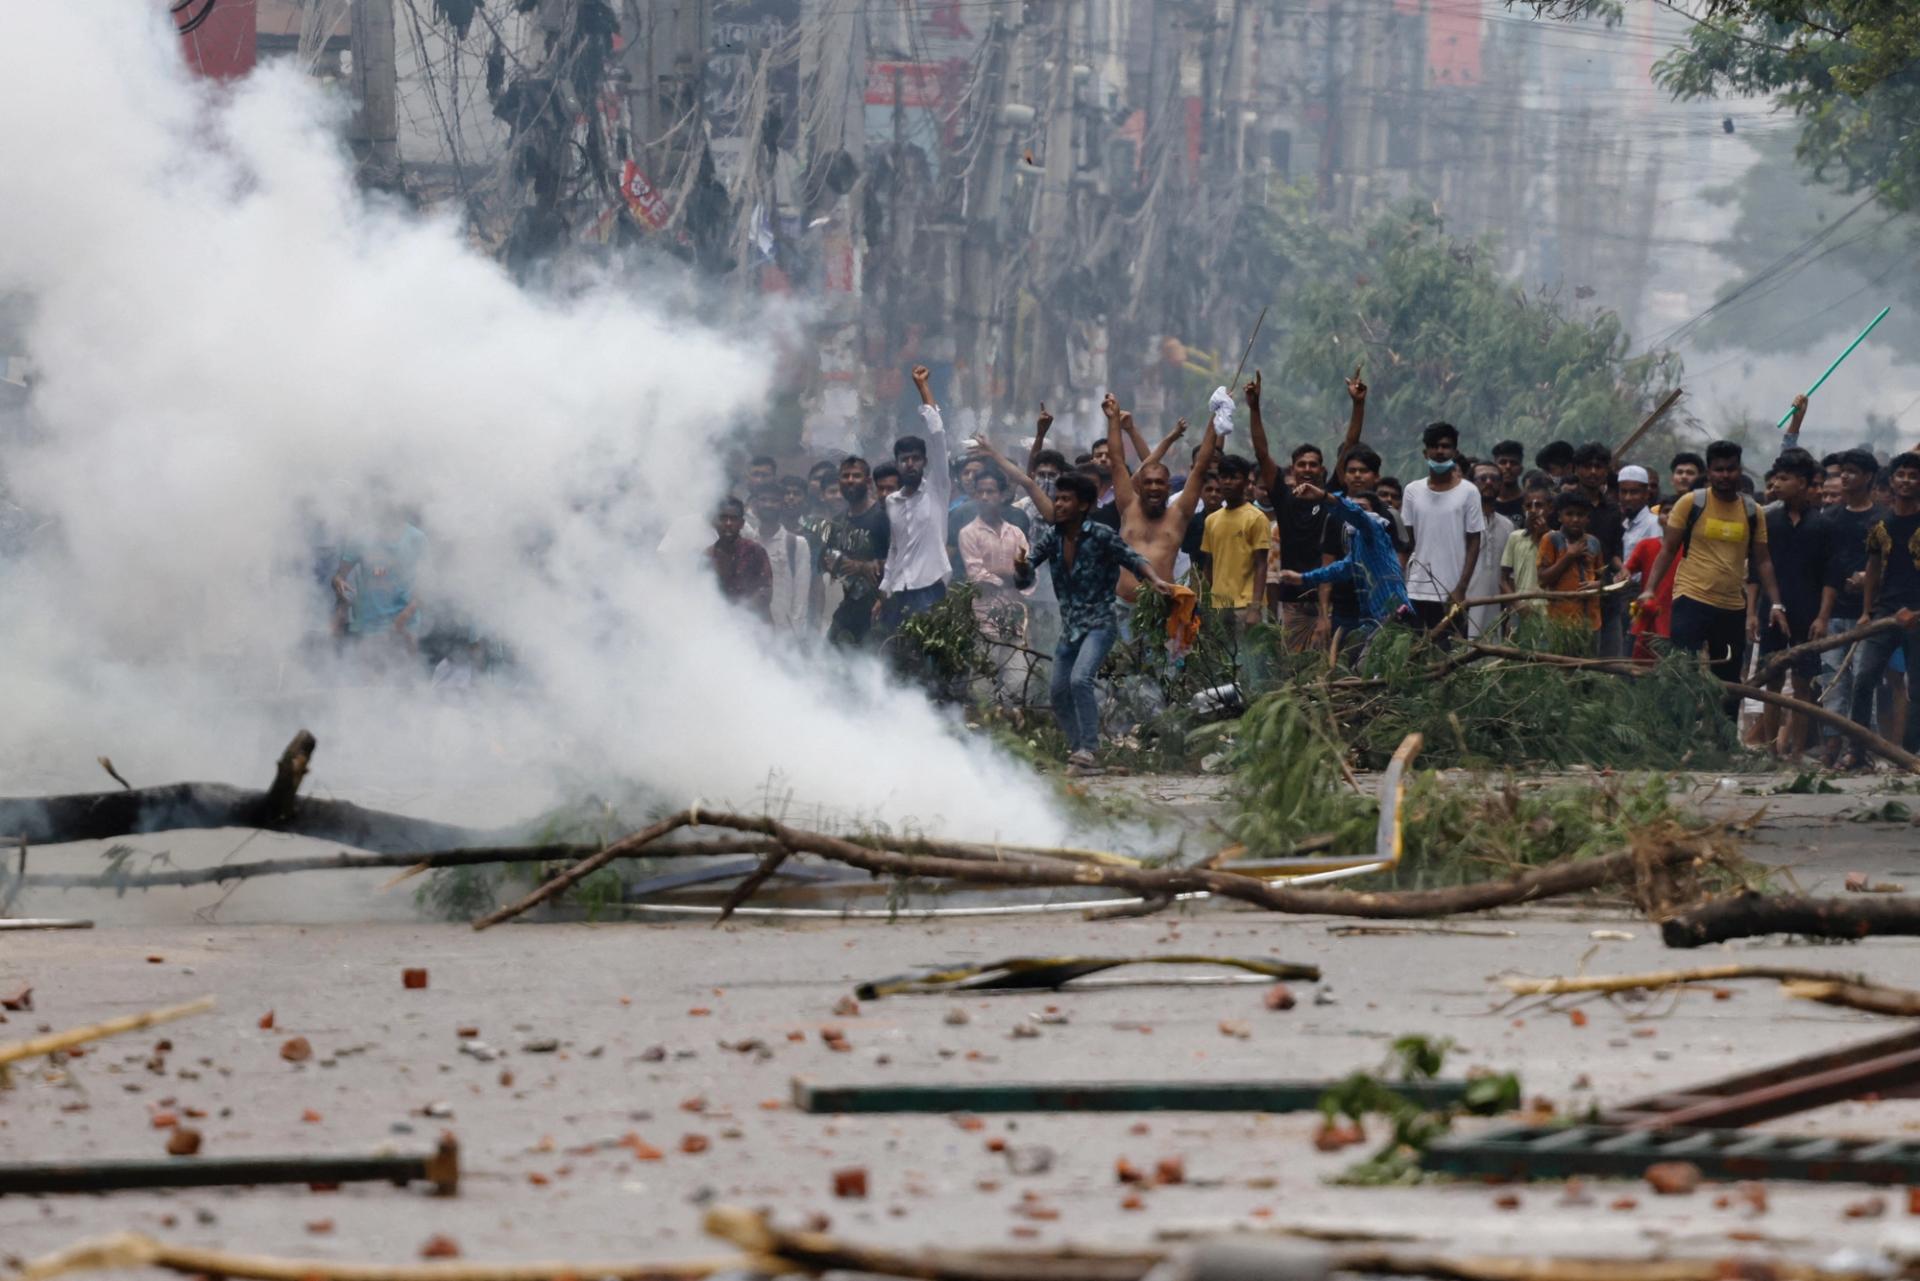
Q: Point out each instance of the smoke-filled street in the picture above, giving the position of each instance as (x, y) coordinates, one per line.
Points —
(959, 640)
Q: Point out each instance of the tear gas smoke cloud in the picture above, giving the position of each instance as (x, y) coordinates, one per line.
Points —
(231, 347)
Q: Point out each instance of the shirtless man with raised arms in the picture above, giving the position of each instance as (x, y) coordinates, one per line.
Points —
(1152, 521)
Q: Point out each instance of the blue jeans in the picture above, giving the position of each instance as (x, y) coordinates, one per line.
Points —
(1075, 663)
(1870, 663)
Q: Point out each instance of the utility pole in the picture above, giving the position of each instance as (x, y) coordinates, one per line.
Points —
(376, 90)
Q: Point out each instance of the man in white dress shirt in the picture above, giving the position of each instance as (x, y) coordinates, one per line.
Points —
(917, 564)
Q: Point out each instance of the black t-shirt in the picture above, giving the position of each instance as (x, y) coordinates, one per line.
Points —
(1196, 532)
(1846, 554)
(1514, 509)
(1108, 514)
(1303, 533)
(1608, 524)
(1799, 557)
(863, 537)
(1897, 539)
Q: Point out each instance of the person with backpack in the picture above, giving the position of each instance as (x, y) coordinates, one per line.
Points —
(1721, 533)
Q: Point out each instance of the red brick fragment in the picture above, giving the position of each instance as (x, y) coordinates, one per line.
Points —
(440, 1247)
(296, 1050)
(413, 979)
(1673, 1178)
(1280, 997)
(850, 1184)
(184, 1141)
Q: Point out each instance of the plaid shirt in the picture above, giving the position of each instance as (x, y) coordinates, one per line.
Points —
(1086, 587)
(1371, 564)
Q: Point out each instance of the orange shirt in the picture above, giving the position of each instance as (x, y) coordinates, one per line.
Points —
(1553, 550)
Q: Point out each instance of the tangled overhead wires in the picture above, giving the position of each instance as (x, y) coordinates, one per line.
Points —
(194, 20)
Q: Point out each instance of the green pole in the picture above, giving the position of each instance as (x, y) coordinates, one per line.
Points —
(1784, 418)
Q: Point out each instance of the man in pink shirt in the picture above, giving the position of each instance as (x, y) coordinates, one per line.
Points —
(989, 547)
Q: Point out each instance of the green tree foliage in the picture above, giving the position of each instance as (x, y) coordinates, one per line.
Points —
(1439, 335)
(1849, 69)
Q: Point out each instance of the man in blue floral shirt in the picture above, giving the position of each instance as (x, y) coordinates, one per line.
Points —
(1087, 559)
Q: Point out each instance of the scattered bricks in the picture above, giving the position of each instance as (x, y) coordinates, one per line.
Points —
(835, 1038)
(1235, 1028)
(1577, 1017)
(440, 1247)
(850, 1184)
(266, 1021)
(184, 1141)
(310, 1117)
(1333, 1136)
(19, 1001)
(1870, 1208)
(1126, 1171)
(1507, 1201)
(694, 1144)
(641, 1149)
(296, 1050)
(1280, 997)
(1913, 1200)
(996, 1144)
(1133, 1201)
(1673, 1178)
(466, 1033)
(697, 1103)
(164, 1120)
(699, 1012)
(1170, 1169)
(846, 1008)
(1624, 1203)
(1858, 883)
(969, 1122)
(319, 1227)
(413, 979)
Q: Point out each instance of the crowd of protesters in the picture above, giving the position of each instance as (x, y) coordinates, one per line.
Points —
(1610, 561)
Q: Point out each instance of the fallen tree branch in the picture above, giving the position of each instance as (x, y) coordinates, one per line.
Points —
(623, 848)
(343, 861)
(1513, 598)
(1859, 733)
(1627, 667)
(14, 1051)
(1748, 914)
(288, 774)
(1669, 978)
(1568, 876)
(101, 816)
(1780, 660)
(1870, 997)
(131, 1250)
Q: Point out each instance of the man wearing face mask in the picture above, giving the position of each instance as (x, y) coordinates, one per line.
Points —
(853, 553)
(1443, 513)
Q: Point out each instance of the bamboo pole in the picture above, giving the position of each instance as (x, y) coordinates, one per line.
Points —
(1870, 997)
(125, 1250)
(1669, 978)
(14, 1051)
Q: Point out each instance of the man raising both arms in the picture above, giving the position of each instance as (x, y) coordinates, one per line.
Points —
(1087, 558)
(1152, 521)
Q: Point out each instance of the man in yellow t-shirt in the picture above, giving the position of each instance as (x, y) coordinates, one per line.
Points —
(1721, 531)
(1237, 539)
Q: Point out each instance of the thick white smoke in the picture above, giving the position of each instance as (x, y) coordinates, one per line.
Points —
(229, 345)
